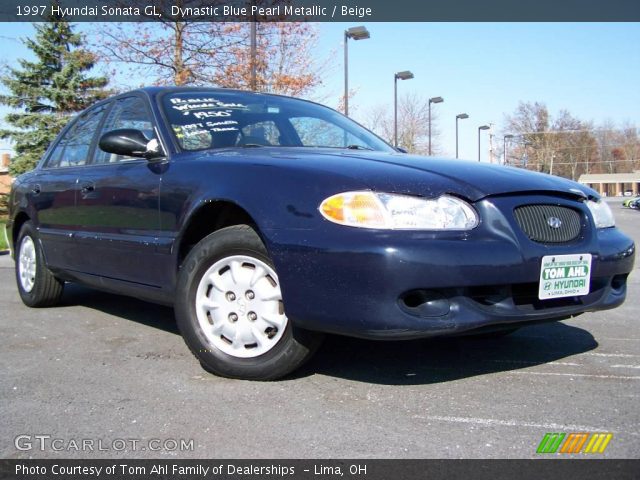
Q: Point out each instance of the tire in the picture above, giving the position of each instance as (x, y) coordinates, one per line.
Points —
(230, 312)
(37, 286)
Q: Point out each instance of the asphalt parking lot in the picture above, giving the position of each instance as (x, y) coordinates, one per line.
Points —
(108, 367)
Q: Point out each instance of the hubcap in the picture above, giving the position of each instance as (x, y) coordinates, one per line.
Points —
(239, 306)
(27, 264)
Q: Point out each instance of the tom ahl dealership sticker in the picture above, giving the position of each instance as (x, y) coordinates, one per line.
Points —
(564, 276)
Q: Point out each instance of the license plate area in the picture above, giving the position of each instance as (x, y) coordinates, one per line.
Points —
(564, 276)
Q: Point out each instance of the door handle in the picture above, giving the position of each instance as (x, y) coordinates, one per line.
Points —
(88, 188)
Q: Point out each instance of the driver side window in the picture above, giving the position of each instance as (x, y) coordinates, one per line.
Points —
(130, 112)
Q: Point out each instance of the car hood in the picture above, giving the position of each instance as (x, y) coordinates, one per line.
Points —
(417, 175)
(483, 179)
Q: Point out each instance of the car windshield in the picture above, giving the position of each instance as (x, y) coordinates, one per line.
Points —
(202, 120)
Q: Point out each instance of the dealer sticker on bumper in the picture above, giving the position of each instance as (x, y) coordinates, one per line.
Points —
(564, 276)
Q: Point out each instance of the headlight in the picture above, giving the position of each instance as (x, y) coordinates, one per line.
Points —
(602, 215)
(389, 211)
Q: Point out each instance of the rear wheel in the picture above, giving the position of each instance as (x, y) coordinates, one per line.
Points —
(230, 311)
(38, 287)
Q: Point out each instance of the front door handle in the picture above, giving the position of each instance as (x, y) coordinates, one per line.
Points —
(88, 191)
(87, 188)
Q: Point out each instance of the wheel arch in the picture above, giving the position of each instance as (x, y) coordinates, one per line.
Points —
(209, 217)
(20, 219)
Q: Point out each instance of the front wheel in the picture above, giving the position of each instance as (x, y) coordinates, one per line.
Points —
(230, 311)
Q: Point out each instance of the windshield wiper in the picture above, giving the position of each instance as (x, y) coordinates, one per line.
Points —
(252, 145)
(358, 147)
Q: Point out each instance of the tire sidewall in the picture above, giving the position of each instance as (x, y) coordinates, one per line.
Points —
(215, 247)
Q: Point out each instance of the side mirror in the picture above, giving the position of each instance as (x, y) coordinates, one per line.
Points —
(130, 143)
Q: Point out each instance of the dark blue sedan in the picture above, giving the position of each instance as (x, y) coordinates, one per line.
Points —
(266, 221)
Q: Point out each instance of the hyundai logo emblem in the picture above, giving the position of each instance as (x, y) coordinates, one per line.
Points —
(554, 222)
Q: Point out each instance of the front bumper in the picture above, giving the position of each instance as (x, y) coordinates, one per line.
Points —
(395, 285)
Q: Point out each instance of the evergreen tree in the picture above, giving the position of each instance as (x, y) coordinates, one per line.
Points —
(47, 91)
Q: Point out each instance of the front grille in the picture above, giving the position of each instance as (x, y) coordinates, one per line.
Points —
(534, 221)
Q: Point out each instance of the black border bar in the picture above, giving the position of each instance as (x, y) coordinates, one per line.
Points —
(323, 10)
(327, 469)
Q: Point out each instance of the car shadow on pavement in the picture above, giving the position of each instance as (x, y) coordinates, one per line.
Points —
(145, 313)
(444, 359)
(390, 363)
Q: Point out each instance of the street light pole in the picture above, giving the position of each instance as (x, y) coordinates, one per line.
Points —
(356, 33)
(460, 116)
(253, 56)
(432, 100)
(346, 73)
(480, 128)
(395, 110)
(405, 75)
(507, 136)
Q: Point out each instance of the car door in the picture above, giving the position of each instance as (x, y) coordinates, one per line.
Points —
(54, 187)
(118, 197)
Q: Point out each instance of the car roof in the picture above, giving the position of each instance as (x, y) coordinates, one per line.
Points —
(155, 91)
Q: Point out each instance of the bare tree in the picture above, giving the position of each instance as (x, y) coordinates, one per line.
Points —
(574, 145)
(530, 122)
(413, 123)
(605, 141)
(619, 149)
(285, 61)
(166, 51)
(563, 146)
(629, 141)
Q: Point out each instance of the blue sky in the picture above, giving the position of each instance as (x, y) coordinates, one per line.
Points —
(483, 69)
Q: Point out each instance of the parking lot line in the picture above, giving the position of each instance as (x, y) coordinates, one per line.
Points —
(599, 338)
(531, 362)
(620, 355)
(515, 423)
(617, 377)
(619, 338)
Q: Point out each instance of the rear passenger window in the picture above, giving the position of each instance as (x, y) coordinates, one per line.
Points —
(130, 112)
(74, 147)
